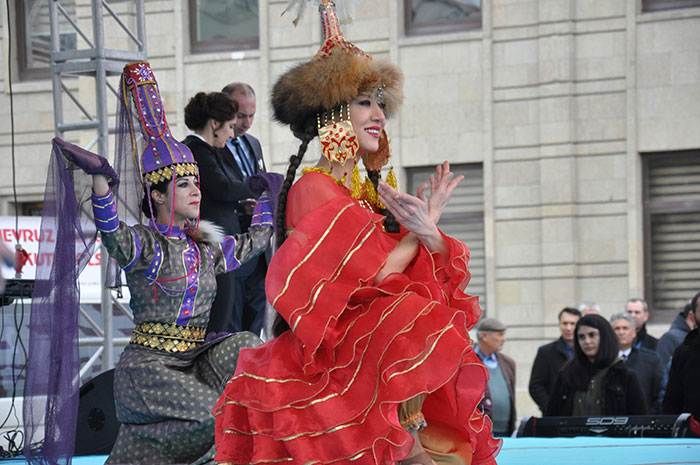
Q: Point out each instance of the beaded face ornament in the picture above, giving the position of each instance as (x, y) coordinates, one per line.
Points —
(338, 138)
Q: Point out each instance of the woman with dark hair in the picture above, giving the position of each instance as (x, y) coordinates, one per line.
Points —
(211, 118)
(377, 365)
(595, 380)
(172, 371)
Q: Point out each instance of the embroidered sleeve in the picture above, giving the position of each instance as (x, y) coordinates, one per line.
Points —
(125, 244)
(262, 214)
(238, 249)
(105, 211)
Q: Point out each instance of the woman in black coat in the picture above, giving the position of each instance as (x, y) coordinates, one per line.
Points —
(595, 381)
(211, 118)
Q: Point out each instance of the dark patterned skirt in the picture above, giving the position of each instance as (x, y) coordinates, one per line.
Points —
(164, 401)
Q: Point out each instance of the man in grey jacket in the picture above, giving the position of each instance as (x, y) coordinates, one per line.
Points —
(499, 398)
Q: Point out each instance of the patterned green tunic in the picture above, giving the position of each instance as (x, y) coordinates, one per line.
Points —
(168, 378)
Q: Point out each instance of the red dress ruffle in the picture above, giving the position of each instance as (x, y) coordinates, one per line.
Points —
(328, 391)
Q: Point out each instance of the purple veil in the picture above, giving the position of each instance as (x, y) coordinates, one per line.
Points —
(53, 367)
(67, 242)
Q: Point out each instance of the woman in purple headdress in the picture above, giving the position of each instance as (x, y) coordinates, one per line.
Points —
(171, 373)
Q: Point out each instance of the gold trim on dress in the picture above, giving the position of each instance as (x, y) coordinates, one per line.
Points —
(311, 252)
(362, 235)
(167, 337)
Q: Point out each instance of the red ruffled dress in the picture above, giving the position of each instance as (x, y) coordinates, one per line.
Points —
(328, 391)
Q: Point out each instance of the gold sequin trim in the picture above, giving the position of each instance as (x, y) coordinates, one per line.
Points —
(166, 173)
(168, 337)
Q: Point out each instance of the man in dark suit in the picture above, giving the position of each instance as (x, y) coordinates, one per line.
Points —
(245, 152)
(499, 398)
(645, 363)
(639, 310)
(551, 357)
(682, 324)
(682, 391)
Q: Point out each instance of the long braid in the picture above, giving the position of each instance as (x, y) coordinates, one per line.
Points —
(390, 223)
(281, 222)
(280, 325)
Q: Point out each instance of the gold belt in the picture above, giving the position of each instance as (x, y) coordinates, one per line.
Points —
(168, 337)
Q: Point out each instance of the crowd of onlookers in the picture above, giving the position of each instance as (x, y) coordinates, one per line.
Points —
(599, 366)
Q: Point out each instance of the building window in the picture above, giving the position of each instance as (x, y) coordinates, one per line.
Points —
(220, 25)
(658, 5)
(437, 16)
(671, 230)
(34, 36)
(463, 218)
(31, 208)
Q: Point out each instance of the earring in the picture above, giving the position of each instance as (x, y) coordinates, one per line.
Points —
(357, 187)
(338, 138)
(375, 160)
(391, 178)
(216, 136)
(160, 202)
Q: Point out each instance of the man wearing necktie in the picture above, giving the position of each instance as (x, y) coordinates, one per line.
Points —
(245, 153)
(645, 363)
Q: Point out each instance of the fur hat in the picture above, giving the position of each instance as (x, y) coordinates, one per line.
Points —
(337, 74)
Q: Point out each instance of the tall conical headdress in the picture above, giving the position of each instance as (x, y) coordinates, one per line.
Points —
(162, 154)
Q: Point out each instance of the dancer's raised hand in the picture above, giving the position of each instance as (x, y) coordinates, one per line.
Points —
(75, 157)
(442, 185)
(412, 213)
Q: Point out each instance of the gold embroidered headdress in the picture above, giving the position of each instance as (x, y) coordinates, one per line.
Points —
(320, 91)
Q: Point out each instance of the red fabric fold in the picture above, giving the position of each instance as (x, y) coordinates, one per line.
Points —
(328, 391)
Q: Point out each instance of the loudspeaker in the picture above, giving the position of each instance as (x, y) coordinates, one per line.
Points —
(633, 426)
(97, 425)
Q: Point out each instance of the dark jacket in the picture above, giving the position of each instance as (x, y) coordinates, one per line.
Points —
(683, 389)
(507, 366)
(549, 360)
(645, 339)
(221, 189)
(253, 143)
(672, 338)
(646, 364)
(621, 394)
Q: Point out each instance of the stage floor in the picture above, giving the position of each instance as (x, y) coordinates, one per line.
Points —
(564, 451)
(599, 451)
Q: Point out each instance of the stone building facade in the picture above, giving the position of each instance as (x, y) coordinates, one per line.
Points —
(564, 114)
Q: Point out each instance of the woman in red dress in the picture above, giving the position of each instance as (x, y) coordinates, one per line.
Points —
(376, 366)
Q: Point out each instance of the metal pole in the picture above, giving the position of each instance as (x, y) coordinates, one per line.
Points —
(141, 25)
(55, 76)
(97, 62)
(103, 149)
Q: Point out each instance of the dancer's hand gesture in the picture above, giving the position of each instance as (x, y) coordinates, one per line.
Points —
(410, 211)
(442, 185)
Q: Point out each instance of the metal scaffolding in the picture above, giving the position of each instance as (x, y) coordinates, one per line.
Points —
(97, 61)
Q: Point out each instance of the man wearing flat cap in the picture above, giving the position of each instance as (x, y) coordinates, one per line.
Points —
(499, 398)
